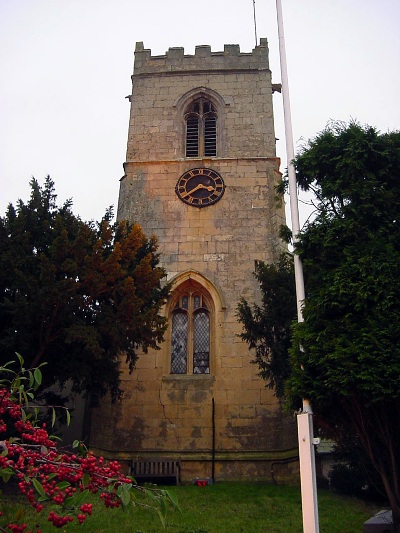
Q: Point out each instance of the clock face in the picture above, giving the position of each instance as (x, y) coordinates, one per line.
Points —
(200, 187)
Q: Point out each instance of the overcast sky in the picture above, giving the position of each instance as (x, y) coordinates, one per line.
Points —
(66, 64)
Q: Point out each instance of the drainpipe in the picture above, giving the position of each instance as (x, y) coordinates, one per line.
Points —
(213, 442)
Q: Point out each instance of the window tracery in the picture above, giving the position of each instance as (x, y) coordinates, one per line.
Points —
(190, 336)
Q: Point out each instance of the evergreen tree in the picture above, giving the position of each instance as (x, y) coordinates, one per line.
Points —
(267, 326)
(77, 295)
(346, 354)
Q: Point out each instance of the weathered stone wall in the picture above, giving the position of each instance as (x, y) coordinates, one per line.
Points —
(215, 247)
(243, 82)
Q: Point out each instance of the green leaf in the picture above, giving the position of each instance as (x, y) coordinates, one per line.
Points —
(123, 492)
(161, 516)
(24, 395)
(39, 487)
(76, 499)
(38, 376)
(173, 498)
(63, 485)
(85, 479)
(19, 515)
(152, 496)
(6, 474)
(163, 507)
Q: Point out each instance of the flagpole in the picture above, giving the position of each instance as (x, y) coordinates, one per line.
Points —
(304, 420)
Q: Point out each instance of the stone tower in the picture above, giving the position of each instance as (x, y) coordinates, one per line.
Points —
(200, 174)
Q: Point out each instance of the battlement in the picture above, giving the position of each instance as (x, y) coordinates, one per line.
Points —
(175, 60)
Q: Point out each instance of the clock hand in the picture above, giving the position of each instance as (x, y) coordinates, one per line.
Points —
(199, 186)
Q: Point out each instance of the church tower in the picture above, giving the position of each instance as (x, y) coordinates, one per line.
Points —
(200, 174)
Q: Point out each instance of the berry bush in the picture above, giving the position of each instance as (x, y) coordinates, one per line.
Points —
(52, 480)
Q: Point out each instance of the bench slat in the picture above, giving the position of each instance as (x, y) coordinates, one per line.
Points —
(152, 468)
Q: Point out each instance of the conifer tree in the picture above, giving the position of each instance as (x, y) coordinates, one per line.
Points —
(77, 295)
(345, 355)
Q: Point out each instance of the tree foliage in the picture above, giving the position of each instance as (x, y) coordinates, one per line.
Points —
(349, 361)
(267, 326)
(77, 294)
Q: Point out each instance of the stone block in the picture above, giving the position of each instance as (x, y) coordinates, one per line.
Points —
(382, 522)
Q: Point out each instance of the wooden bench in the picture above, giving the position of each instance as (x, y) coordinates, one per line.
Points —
(156, 468)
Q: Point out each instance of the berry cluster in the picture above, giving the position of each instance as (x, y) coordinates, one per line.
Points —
(15, 528)
(47, 476)
(59, 521)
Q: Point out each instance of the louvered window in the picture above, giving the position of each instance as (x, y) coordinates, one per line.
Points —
(201, 129)
(190, 350)
(210, 135)
(192, 136)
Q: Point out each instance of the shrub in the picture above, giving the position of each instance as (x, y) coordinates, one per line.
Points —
(49, 478)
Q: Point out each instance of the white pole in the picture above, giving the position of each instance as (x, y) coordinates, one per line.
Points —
(304, 420)
(294, 207)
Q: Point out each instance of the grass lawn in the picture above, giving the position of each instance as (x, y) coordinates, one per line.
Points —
(220, 508)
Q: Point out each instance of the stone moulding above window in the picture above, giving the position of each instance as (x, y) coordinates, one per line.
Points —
(208, 285)
(186, 99)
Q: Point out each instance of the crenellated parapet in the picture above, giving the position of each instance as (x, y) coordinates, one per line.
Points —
(175, 60)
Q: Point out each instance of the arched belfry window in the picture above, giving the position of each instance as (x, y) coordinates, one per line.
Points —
(201, 129)
(190, 335)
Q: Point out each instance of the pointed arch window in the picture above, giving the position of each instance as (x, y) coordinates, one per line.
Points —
(201, 129)
(190, 338)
